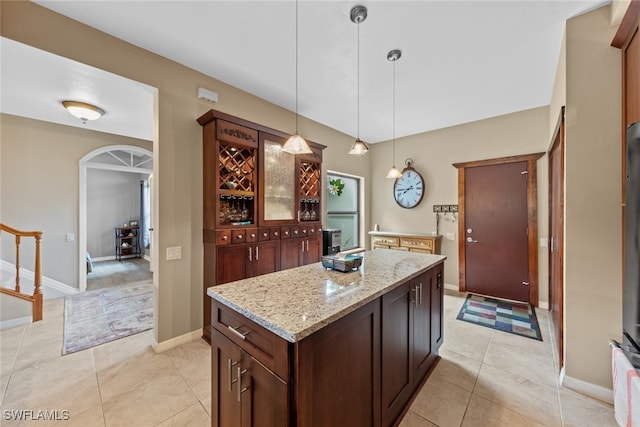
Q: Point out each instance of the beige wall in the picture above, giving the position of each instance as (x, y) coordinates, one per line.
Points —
(434, 153)
(178, 148)
(593, 246)
(40, 188)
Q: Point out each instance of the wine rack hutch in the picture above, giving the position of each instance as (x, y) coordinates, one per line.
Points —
(261, 205)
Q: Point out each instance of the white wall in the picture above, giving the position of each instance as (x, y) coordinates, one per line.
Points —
(113, 199)
(40, 188)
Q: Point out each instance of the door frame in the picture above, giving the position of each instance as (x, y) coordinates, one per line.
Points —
(85, 163)
(532, 216)
(556, 213)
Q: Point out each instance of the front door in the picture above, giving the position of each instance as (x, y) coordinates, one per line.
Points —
(495, 230)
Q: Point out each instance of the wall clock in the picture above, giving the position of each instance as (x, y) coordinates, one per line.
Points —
(408, 190)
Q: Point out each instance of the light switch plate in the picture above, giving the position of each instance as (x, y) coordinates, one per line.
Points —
(451, 236)
(174, 252)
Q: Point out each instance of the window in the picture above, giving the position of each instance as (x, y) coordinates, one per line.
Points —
(343, 207)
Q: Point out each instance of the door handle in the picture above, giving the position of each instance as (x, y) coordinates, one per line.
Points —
(257, 254)
(240, 389)
(470, 240)
(250, 254)
(230, 363)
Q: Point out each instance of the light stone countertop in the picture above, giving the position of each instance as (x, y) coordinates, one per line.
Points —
(296, 302)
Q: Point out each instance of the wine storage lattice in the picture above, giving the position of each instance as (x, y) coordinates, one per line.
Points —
(237, 167)
(309, 179)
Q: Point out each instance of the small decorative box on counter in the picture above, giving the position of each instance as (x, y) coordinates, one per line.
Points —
(348, 263)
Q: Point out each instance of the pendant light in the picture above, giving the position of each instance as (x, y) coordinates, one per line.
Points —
(393, 56)
(296, 144)
(358, 15)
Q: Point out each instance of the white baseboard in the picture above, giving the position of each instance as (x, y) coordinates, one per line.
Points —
(104, 258)
(46, 281)
(6, 324)
(177, 341)
(451, 287)
(589, 389)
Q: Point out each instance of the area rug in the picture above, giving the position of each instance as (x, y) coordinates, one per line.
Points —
(513, 317)
(97, 317)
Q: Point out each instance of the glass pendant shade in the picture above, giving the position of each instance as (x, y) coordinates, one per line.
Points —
(394, 173)
(296, 145)
(82, 110)
(359, 147)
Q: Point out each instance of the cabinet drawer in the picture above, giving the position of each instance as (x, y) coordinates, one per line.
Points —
(314, 229)
(238, 236)
(266, 347)
(223, 237)
(285, 232)
(384, 241)
(274, 233)
(422, 251)
(399, 248)
(263, 234)
(252, 234)
(417, 243)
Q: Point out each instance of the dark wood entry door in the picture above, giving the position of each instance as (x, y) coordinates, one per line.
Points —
(495, 230)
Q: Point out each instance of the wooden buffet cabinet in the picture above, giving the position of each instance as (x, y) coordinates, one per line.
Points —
(308, 363)
(261, 205)
(412, 242)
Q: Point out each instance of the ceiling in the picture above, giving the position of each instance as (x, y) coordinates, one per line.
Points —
(461, 60)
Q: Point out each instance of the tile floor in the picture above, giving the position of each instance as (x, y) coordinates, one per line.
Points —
(485, 378)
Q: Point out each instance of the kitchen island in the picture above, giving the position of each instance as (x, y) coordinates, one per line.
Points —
(315, 347)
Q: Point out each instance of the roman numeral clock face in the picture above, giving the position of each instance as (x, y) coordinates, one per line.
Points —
(409, 188)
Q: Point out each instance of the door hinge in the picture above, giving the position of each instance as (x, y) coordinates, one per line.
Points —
(524, 172)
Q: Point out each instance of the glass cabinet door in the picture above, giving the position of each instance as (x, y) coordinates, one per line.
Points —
(278, 183)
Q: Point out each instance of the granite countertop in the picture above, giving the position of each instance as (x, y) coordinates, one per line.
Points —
(296, 302)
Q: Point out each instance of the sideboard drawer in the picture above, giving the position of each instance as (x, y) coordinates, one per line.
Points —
(384, 241)
(417, 243)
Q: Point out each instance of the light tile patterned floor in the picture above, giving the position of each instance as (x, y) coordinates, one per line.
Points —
(485, 378)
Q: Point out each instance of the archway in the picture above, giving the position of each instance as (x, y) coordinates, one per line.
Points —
(122, 158)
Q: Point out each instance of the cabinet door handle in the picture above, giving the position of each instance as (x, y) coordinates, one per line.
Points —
(240, 389)
(420, 293)
(230, 364)
(257, 253)
(307, 246)
(237, 332)
(250, 254)
(302, 247)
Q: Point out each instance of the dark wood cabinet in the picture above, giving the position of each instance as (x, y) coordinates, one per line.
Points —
(236, 262)
(253, 192)
(247, 393)
(407, 342)
(360, 370)
(338, 372)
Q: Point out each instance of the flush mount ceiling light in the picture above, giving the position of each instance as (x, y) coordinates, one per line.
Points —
(83, 111)
(393, 56)
(296, 144)
(358, 15)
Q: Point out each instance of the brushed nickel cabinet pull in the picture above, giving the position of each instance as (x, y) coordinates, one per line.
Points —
(238, 333)
(250, 255)
(257, 253)
(230, 364)
(240, 389)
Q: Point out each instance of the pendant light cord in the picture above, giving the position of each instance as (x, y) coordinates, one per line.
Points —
(393, 127)
(297, 67)
(358, 82)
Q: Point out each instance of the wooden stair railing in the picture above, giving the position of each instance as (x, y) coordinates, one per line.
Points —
(36, 298)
